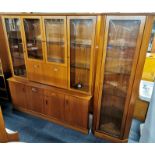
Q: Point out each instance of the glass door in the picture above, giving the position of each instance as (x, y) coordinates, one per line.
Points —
(55, 38)
(13, 33)
(122, 35)
(81, 43)
(33, 37)
(1, 69)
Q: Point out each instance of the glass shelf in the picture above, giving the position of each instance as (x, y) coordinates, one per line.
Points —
(81, 66)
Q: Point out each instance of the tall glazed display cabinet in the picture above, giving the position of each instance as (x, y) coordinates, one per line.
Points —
(53, 58)
(15, 46)
(81, 38)
(115, 74)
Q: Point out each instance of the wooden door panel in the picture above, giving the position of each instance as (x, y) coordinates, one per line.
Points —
(18, 92)
(54, 106)
(35, 99)
(76, 111)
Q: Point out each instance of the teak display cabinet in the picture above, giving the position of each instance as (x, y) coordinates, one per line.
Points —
(63, 63)
(53, 50)
(120, 45)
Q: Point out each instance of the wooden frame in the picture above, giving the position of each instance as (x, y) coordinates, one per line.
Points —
(138, 74)
(24, 38)
(100, 70)
(4, 136)
(8, 49)
(65, 38)
(92, 51)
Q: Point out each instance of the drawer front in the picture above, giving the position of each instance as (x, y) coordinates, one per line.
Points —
(35, 71)
(36, 90)
(55, 75)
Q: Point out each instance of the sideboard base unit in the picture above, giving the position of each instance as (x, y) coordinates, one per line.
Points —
(42, 116)
(110, 138)
(60, 106)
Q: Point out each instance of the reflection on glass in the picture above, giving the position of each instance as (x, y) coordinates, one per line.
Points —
(15, 45)
(121, 46)
(151, 47)
(54, 29)
(1, 72)
(33, 38)
(81, 31)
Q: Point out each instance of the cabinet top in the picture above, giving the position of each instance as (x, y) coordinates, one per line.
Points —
(50, 88)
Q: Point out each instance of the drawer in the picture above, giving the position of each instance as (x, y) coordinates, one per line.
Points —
(50, 93)
(36, 90)
(55, 75)
(35, 71)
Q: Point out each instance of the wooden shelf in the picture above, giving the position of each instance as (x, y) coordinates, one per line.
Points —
(58, 60)
(80, 44)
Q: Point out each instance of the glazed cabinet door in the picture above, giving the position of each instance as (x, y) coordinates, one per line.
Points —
(76, 112)
(55, 39)
(18, 94)
(120, 56)
(34, 45)
(81, 34)
(33, 37)
(55, 68)
(12, 26)
(54, 105)
(35, 99)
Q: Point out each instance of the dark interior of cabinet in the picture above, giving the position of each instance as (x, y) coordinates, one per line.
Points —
(33, 38)
(122, 39)
(80, 53)
(15, 45)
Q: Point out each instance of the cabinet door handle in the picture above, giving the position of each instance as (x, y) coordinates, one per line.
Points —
(23, 89)
(46, 102)
(53, 94)
(34, 89)
(66, 102)
(36, 66)
(55, 69)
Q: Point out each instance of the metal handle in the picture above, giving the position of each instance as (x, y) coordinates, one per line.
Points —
(53, 94)
(34, 89)
(66, 101)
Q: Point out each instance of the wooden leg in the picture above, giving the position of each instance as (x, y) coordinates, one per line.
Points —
(13, 137)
